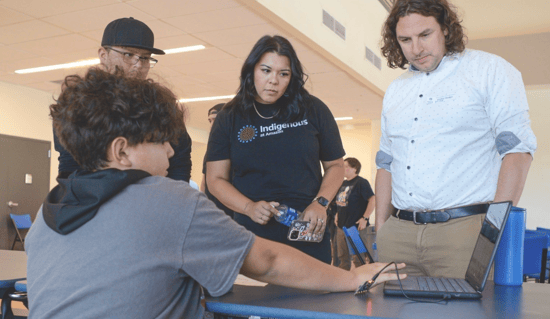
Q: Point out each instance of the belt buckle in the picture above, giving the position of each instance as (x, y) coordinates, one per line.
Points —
(414, 218)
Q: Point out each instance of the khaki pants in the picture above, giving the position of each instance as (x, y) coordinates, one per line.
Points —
(366, 235)
(437, 250)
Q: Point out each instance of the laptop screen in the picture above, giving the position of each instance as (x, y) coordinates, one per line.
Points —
(488, 239)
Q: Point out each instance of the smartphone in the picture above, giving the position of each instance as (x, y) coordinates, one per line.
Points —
(298, 232)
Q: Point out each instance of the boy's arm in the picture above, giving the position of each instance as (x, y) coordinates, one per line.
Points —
(279, 264)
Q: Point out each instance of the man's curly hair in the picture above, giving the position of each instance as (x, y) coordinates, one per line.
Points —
(441, 10)
(93, 110)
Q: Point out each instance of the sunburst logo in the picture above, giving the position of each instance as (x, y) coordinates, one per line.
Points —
(247, 134)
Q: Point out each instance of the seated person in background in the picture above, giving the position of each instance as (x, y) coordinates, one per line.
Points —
(120, 240)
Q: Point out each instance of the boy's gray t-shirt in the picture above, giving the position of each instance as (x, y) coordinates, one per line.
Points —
(144, 255)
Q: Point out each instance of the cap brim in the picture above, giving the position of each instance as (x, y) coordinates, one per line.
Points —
(153, 50)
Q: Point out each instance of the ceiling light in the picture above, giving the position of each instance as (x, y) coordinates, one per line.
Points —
(185, 49)
(343, 118)
(96, 61)
(59, 66)
(209, 98)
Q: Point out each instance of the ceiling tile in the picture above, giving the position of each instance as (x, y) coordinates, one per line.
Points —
(8, 53)
(30, 63)
(239, 50)
(67, 57)
(58, 45)
(33, 77)
(318, 67)
(216, 20)
(230, 86)
(53, 88)
(8, 16)
(95, 35)
(45, 8)
(208, 54)
(213, 66)
(239, 35)
(219, 76)
(177, 42)
(184, 80)
(162, 29)
(199, 90)
(28, 31)
(162, 73)
(171, 8)
(96, 18)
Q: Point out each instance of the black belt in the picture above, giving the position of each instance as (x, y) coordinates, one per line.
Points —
(442, 215)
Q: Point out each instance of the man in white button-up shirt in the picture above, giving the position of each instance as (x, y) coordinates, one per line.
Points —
(455, 134)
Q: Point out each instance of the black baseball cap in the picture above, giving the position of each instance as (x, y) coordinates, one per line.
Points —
(129, 32)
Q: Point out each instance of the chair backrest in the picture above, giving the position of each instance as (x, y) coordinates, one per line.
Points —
(535, 242)
(22, 221)
(356, 245)
(352, 234)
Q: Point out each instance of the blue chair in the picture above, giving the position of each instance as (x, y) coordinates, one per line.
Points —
(547, 231)
(20, 222)
(19, 293)
(356, 245)
(535, 255)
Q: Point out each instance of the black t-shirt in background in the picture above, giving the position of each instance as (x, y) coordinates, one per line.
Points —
(352, 200)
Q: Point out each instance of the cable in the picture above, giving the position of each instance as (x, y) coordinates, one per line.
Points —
(369, 283)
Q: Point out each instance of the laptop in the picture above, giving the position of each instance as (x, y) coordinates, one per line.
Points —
(478, 269)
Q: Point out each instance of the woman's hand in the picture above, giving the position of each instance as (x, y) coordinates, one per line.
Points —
(316, 215)
(261, 212)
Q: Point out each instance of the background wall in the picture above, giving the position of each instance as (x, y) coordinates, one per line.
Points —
(538, 181)
(24, 112)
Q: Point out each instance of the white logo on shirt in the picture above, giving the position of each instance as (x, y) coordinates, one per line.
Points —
(278, 128)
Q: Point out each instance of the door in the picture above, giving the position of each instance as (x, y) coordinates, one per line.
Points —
(24, 181)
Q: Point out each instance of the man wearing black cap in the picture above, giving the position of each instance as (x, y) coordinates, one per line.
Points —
(127, 46)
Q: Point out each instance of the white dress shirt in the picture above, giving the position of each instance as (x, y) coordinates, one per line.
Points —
(445, 132)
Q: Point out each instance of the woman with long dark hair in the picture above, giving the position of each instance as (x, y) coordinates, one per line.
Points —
(271, 141)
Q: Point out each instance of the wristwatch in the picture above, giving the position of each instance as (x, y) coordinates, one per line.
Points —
(321, 200)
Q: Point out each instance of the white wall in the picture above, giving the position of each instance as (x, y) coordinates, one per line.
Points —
(24, 112)
(537, 188)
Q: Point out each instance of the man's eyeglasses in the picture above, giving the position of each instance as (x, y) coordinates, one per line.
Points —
(132, 58)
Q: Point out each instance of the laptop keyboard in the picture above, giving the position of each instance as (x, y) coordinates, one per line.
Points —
(444, 284)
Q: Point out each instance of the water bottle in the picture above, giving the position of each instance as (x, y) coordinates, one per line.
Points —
(287, 214)
(509, 256)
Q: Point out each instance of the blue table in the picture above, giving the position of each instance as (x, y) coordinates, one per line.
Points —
(529, 301)
(13, 267)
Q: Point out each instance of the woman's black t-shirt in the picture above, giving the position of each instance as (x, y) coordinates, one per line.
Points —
(273, 160)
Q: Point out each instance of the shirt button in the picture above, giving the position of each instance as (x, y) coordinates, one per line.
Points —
(428, 73)
(416, 118)
(410, 194)
(421, 95)
(408, 167)
(412, 141)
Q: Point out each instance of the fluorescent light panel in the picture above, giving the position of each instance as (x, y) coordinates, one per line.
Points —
(343, 118)
(209, 98)
(96, 61)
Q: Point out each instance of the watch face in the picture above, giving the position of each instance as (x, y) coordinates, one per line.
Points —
(323, 201)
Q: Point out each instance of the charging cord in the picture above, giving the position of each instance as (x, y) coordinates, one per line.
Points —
(369, 283)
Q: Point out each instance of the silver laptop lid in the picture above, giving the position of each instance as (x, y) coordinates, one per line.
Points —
(487, 244)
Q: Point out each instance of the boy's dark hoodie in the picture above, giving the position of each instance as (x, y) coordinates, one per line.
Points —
(76, 199)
